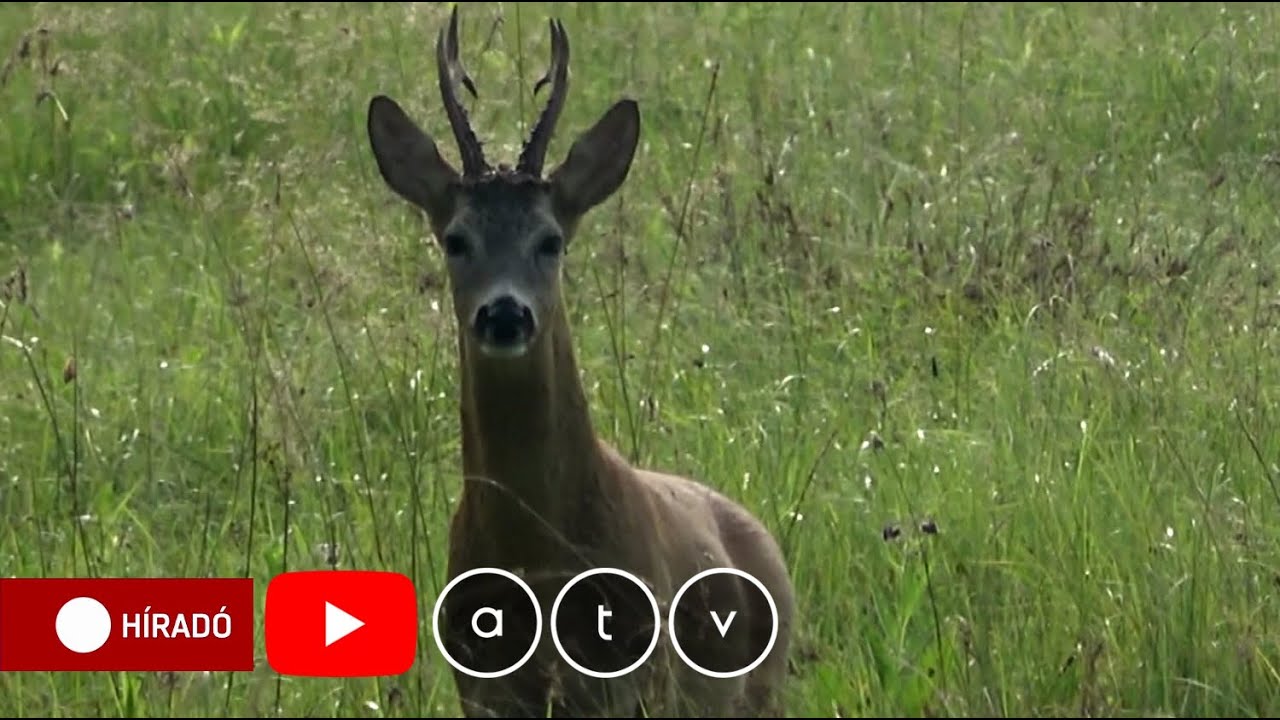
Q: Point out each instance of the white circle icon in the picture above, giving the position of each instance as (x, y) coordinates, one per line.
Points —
(675, 641)
(83, 625)
(537, 632)
(657, 623)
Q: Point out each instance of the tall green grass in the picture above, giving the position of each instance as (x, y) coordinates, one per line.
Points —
(974, 304)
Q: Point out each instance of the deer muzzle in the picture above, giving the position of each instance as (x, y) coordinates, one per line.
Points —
(504, 327)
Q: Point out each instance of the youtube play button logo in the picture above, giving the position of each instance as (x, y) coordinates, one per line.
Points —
(338, 623)
(341, 623)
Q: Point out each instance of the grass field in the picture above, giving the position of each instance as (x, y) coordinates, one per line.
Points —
(975, 305)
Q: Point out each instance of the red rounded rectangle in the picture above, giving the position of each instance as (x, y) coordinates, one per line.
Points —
(126, 624)
(341, 623)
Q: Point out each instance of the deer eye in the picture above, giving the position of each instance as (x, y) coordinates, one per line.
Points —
(455, 245)
(551, 245)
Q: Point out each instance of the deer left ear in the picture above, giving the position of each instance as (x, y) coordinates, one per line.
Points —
(598, 162)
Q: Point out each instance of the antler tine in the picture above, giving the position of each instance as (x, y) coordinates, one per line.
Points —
(535, 150)
(450, 71)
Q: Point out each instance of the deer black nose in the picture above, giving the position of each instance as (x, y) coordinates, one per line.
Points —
(504, 323)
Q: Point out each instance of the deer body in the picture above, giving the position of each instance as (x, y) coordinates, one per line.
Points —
(544, 497)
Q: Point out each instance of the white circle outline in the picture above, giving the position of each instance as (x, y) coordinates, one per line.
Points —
(83, 625)
(537, 632)
(657, 624)
(675, 642)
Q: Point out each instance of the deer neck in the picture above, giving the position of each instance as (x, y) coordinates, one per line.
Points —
(532, 464)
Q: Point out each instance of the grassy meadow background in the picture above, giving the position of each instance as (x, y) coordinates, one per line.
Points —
(975, 304)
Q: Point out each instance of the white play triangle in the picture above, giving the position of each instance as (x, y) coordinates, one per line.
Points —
(338, 624)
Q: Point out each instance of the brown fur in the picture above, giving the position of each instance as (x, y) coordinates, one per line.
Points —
(544, 496)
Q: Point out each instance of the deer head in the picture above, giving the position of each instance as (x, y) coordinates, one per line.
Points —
(503, 230)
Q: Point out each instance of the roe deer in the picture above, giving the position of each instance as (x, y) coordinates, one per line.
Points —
(543, 496)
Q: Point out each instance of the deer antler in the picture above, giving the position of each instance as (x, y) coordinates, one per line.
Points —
(535, 150)
(451, 71)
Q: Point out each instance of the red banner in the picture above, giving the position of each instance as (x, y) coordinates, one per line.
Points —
(126, 624)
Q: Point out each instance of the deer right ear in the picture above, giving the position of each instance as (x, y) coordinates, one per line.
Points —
(409, 161)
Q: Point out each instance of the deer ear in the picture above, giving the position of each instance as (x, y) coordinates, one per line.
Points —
(409, 161)
(598, 162)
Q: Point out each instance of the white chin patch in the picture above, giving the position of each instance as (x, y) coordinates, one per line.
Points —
(503, 352)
